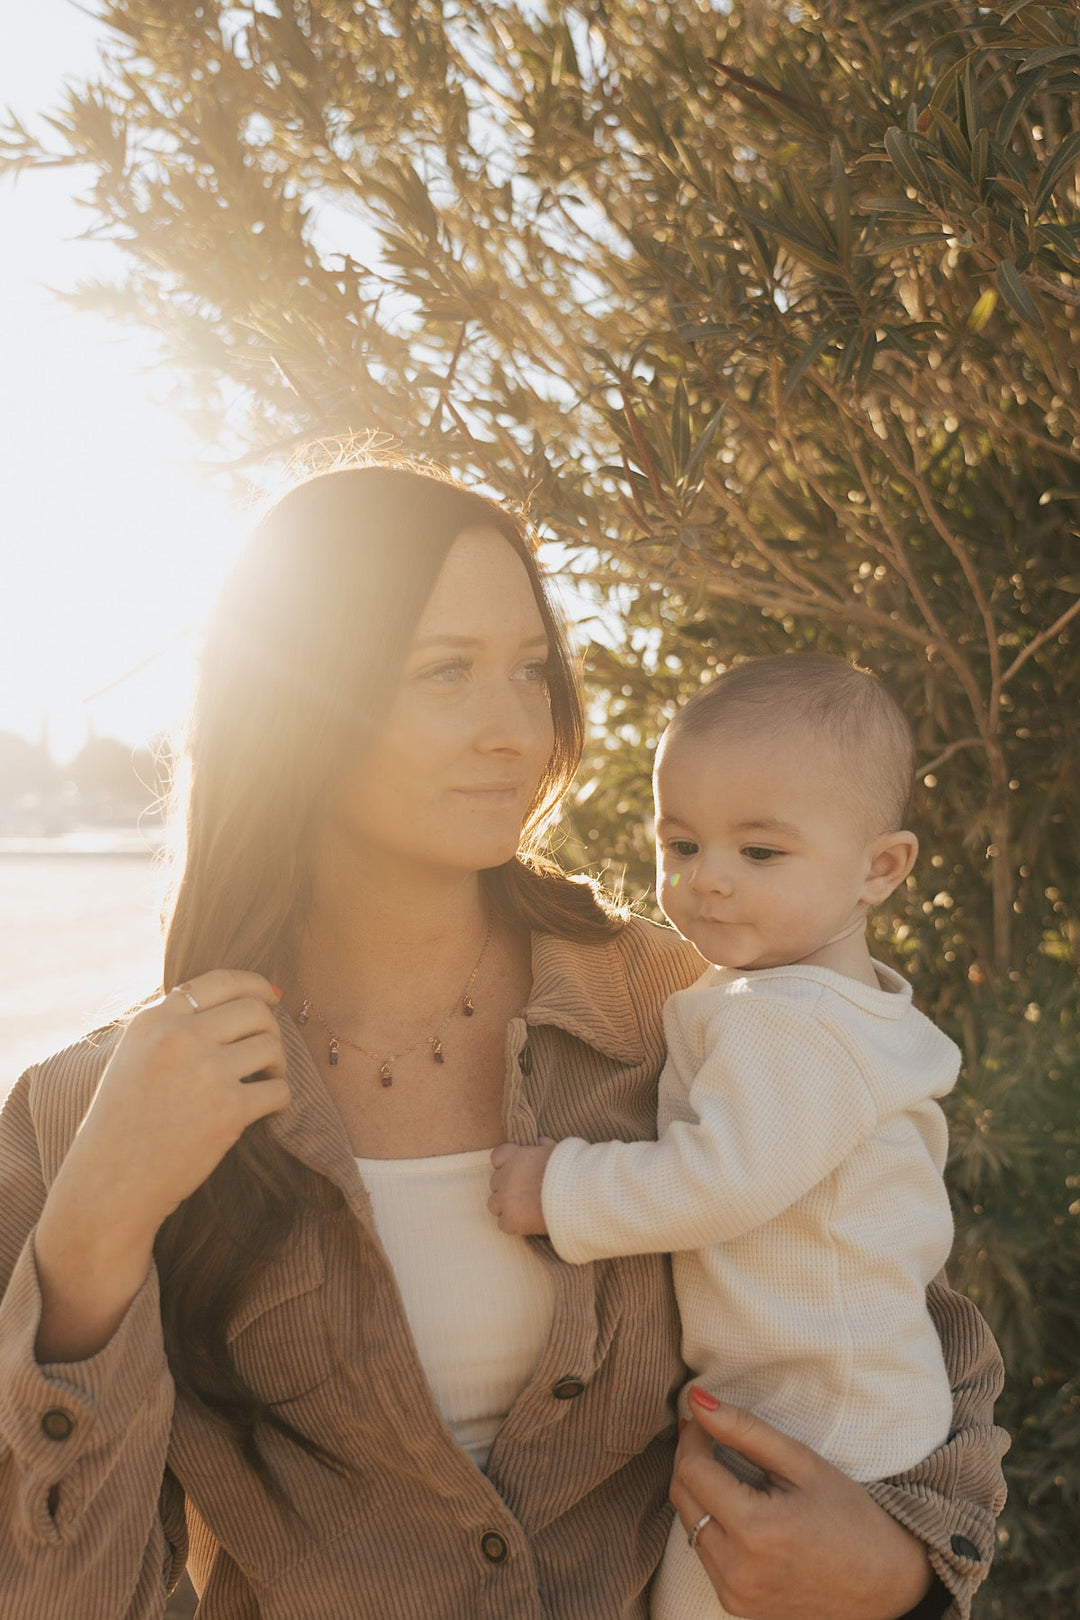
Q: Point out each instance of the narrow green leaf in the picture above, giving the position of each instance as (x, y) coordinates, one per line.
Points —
(866, 361)
(1015, 107)
(680, 428)
(980, 156)
(897, 244)
(1012, 289)
(952, 137)
(841, 205)
(970, 100)
(1049, 53)
(696, 460)
(809, 355)
(807, 253)
(894, 205)
(912, 10)
(905, 160)
(1067, 153)
(1061, 242)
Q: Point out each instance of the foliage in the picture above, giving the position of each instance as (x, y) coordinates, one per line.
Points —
(769, 313)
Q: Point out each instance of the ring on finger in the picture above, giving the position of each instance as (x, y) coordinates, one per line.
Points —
(186, 991)
(693, 1534)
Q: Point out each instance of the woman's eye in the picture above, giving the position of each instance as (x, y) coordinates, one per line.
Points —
(447, 673)
(536, 673)
(758, 852)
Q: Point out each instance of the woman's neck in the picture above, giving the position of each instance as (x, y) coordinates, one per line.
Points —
(381, 935)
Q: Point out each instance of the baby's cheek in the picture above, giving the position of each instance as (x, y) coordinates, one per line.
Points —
(668, 893)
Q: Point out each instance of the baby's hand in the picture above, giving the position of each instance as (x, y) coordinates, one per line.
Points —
(515, 1186)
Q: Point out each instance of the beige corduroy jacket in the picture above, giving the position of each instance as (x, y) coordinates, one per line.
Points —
(109, 1484)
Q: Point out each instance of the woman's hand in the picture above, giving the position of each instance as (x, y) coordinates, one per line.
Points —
(811, 1545)
(173, 1098)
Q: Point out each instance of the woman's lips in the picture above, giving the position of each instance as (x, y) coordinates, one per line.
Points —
(491, 792)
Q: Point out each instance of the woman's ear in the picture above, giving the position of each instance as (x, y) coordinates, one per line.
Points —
(890, 858)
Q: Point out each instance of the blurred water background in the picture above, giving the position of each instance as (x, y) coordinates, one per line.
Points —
(79, 941)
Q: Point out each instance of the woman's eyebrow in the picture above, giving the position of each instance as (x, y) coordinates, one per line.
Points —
(473, 641)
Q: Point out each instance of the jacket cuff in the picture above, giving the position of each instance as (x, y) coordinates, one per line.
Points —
(54, 1416)
(560, 1199)
(958, 1537)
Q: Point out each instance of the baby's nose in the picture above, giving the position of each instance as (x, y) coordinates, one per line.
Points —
(713, 878)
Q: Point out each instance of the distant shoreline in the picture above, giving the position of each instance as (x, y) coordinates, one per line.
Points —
(91, 842)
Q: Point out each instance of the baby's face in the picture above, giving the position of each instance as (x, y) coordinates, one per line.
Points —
(762, 848)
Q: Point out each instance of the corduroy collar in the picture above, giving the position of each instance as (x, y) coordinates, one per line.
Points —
(583, 989)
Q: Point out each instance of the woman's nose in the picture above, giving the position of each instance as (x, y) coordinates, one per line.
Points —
(508, 723)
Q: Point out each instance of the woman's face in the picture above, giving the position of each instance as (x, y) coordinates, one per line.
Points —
(450, 778)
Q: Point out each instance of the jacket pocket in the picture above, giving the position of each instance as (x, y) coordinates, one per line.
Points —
(279, 1338)
(643, 1370)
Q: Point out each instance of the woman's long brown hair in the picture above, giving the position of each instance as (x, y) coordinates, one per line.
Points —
(300, 666)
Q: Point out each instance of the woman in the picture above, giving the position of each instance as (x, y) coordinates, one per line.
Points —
(367, 1400)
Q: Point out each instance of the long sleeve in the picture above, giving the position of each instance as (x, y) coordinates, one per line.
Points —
(952, 1498)
(84, 1495)
(776, 1104)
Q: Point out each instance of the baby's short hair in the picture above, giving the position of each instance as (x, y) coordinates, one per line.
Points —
(847, 706)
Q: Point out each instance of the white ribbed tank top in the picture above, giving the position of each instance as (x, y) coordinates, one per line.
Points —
(479, 1302)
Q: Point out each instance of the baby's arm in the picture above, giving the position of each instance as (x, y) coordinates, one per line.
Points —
(516, 1179)
(779, 1102)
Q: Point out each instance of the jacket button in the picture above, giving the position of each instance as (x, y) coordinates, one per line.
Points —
(57, 1424)
(568, 1389)
(963, 1548)
(494, 1547)
(525, 1061)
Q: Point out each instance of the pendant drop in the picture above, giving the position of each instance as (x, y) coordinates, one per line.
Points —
(436, 1049)
(305, 1012)
(334, 1049)
(385, 1075)
(467, 1006)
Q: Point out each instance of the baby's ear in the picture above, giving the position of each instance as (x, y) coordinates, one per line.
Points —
(890, 859)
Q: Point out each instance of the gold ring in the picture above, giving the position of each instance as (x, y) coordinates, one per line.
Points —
(185, 991)
(693, 1534)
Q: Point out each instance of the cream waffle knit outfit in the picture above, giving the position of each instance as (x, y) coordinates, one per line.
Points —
(798, 1183)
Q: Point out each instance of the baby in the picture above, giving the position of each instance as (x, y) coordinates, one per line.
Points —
(797, 1178)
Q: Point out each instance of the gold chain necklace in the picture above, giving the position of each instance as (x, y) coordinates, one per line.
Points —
(386, 1072)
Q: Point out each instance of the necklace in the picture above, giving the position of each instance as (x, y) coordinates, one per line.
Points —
(386, 1070)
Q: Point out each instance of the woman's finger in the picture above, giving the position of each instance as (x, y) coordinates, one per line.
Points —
(257, 1058)
(784, 1460)
(236, 1020)
(264, 1097)
(208, 990)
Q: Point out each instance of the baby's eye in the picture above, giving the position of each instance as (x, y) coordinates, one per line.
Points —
(683, 847)
(759, 853)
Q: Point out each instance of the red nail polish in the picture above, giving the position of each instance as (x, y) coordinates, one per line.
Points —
(701, 1397)
(682, 1425)
(277, 992)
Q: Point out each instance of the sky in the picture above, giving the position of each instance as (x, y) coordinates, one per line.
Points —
(114, 535)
